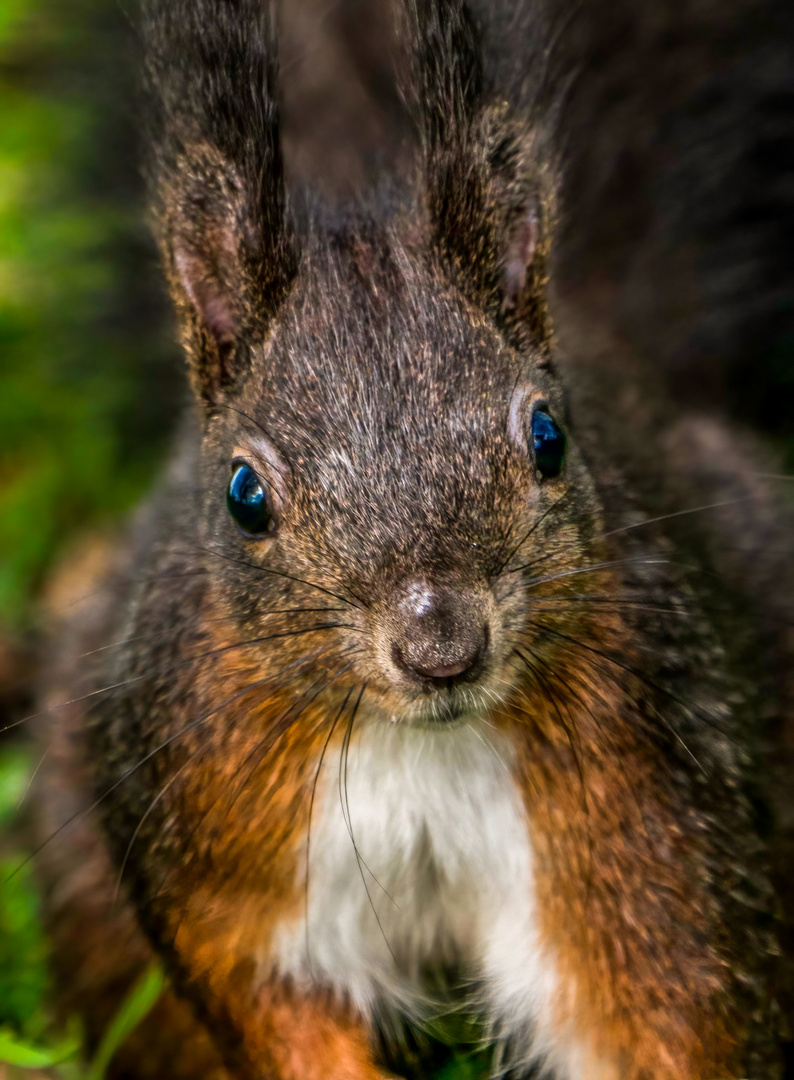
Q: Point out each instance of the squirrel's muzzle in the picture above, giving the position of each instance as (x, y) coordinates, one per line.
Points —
(440, 634)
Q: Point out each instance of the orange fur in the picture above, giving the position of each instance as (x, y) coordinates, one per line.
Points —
(618, 866)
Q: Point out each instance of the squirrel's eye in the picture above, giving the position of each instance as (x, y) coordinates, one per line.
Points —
(248, 502)
(548, 444)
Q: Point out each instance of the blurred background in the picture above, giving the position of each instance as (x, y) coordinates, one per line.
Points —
(89, 375)
(87, 365)
(90, 378)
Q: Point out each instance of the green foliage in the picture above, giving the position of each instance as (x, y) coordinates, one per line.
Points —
(140, 1001)
(26, 1040)
(82, 340)
(470, 1056)
(25, 1055)
(23, 977)
(63, 1056)
(475, 1066)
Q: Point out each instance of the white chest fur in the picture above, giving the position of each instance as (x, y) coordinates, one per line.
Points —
(444, 874)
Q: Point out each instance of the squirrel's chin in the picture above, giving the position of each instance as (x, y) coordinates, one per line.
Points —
(436, 714)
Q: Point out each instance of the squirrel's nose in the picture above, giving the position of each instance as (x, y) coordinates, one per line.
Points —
(442, 636)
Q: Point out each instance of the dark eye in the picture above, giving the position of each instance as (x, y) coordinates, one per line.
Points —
(248, 502)
(548, 444)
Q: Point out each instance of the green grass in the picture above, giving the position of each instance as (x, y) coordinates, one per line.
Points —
(64, 1057)
(23, 974)
(27, 1038)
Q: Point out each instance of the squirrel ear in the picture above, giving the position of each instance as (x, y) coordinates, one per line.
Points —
(212, 302)
(211, 320)
(203, 256)
(226, 278)
(522, 243)
(218, 179)
(517, 205)
(489, 193)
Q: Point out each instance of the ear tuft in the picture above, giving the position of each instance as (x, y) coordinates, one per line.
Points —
(217, 178)
(489, 185)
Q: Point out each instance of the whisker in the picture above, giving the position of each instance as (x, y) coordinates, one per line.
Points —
(490, 748)
(587, 706)
(31, 778)
(349, 821)
(539, 675)
(643, 678)
(675, 514)
(145, 816)
(343, 799)
(126, 775)
(608, 602)
(557, 706)
(317, 772)
(529, 532)
(192, 726)
(632, 560)
(275, 573)
(578, 541)
(246, 416)
(181, 663)
(216, 619)
(143, 580)
(266, 743)
(73, 701)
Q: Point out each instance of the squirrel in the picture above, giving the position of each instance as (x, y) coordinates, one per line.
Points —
(393, 701)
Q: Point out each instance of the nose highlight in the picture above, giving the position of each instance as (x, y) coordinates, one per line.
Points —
(445, 671)
(442, 637)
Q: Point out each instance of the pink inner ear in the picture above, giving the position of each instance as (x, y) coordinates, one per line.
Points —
(519, 253)
(206, 294)
(219, 319)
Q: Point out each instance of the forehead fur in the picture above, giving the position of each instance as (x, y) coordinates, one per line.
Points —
(375, 340)
(387, 393)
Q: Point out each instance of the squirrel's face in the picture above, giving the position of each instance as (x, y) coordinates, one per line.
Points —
(386, 493)
(390, 466)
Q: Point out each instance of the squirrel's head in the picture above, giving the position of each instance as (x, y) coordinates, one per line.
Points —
(383, 455)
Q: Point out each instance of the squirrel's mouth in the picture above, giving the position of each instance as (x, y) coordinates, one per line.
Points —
(439, 714)
(450, 710)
